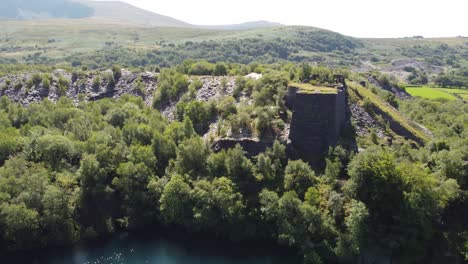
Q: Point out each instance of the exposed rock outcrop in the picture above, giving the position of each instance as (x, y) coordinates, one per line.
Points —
(252, 147)
(16, 87)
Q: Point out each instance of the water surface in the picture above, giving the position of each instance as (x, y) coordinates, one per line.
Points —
(172, 248)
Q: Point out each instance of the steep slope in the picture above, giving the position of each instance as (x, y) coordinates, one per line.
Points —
(394, 122)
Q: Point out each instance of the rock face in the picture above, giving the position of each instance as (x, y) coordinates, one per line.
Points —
(364, 121)
(139, 84)
(317, 121)
(250, 146)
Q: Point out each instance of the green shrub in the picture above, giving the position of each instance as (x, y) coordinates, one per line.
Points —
(18, 85)
(46, 82)
(109, 78)
(220, 69)
(36, 79)
(201, 68)
(96, 83)
(117, 72)
(196, 84)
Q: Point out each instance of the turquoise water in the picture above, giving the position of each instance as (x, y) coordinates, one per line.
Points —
(165, 249)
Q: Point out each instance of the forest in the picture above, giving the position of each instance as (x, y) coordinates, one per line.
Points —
(73, 171)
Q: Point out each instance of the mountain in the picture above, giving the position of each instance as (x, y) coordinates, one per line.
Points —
(108, 11)
(34, 9)
(246, 25)
(116, 12)
(126, 13)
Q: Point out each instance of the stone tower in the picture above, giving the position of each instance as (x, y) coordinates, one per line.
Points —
(318, 116)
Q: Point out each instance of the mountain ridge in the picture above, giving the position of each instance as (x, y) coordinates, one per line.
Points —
(110, 11)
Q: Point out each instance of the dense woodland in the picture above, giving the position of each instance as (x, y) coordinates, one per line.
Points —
(72, 172)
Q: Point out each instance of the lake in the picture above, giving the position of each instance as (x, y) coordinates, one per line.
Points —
(169, 248)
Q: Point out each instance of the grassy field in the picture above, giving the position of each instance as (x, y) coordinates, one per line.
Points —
(430, 93)
(462, 93)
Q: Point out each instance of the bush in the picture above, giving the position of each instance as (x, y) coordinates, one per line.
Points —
(36, 79)
(384, 80)
(117, 72)
(201, 68)
(63, 84)
(196, 84)
(109, 78)
(46, 82)
(96, 83)
(18, 86)
(220, 69)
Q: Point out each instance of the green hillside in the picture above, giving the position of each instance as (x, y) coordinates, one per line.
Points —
(55, 42)
(103, 42)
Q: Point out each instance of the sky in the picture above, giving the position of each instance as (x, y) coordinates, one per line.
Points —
(357, 18)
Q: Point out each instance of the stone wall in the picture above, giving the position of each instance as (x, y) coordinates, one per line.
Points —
(251, 147)
(317, 121)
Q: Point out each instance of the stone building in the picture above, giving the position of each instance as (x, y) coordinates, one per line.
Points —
(318, 117)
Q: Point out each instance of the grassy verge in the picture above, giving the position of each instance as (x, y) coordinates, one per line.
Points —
(394, 114)
(308, 88)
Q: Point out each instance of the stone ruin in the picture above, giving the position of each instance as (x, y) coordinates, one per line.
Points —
(317, 120)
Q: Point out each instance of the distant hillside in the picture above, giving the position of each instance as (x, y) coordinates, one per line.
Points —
(246, 25)
(111, 11)
(126, 13)
(115, 12)
(33, 9)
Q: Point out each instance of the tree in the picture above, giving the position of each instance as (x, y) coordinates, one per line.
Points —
(290, 219)
(8, 143)
(220, 69)
(59, 208)
(131, 182)
(239, 168)
(55, 150)
(298, 176)
(216, 164)
(145, 155)
(198, 113)
(217, 206)
(191, 157)
(305, 72)
(94, 188)
(269, 210)
(412, 198)
(21, 225)
(176, 205)
(201, 68)
(164, 149)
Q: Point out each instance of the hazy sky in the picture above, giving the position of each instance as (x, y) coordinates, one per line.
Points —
(359, 18)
